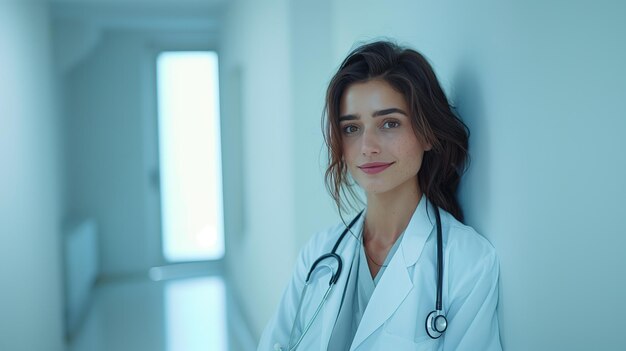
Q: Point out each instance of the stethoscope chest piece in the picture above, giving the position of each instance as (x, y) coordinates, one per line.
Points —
(436, 324)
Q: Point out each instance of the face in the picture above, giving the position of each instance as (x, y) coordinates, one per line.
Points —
(379, 145)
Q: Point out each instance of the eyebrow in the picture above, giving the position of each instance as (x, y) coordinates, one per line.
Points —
(384, 112)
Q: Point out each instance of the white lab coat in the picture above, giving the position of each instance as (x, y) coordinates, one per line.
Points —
(395, 315)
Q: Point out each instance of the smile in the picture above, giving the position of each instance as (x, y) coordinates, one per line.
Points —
(375, 167)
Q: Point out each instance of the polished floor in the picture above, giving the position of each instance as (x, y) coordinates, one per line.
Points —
(175, 314)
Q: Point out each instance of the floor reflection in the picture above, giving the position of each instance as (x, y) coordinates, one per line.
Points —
(139, 314)
(194, 321)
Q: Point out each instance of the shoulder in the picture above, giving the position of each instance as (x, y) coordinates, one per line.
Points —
(470, 257)
(321, 242)
(462, 240)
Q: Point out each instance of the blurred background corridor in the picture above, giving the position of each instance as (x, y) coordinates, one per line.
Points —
(162, 161)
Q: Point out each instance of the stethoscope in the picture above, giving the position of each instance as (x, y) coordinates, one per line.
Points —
(436, 322)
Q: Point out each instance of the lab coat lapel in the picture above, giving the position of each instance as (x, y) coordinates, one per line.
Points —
(396, 282)
(391, 290)
(346, 250)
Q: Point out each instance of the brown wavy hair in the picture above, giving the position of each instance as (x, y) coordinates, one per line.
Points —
(432, 118)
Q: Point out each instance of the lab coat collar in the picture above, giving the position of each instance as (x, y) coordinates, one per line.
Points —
(396, 282)
(417, 232)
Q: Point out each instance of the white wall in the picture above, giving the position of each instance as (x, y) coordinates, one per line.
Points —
(255, 52)
(30, 187)
(540, 86)
(104, 143)
(311, 69)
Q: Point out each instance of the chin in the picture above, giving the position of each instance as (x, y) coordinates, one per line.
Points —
(375, 189)
(382, 186)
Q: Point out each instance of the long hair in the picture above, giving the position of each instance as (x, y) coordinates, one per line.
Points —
(432, 119)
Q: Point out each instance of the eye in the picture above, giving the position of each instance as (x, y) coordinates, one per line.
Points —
(349, 129)
(391, 124)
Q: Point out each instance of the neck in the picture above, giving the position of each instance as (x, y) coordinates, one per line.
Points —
(389, 214)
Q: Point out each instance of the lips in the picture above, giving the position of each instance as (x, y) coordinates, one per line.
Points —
(374, 167)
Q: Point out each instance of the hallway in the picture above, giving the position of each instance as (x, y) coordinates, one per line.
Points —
(539, 84)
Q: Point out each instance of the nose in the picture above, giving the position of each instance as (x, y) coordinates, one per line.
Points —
(369, 143)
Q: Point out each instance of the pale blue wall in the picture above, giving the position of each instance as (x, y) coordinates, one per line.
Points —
(106, 176)
(257, 118)
(311, 70)
(30, 183)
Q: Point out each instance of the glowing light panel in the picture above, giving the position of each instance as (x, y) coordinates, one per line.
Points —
(190, 156)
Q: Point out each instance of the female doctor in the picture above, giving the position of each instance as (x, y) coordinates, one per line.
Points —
(405, 273)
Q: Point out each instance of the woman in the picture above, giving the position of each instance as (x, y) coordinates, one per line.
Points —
(412, 276)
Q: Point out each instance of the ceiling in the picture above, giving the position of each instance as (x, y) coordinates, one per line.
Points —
(199, 15)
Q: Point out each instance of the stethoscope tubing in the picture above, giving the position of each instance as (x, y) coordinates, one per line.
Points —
(333, 254)
(438, 304)
(331, 283)
(317, 311)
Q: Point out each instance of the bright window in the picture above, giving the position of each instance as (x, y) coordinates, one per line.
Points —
(190, 156)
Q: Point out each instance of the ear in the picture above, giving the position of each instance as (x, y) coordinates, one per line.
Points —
(427, 146)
